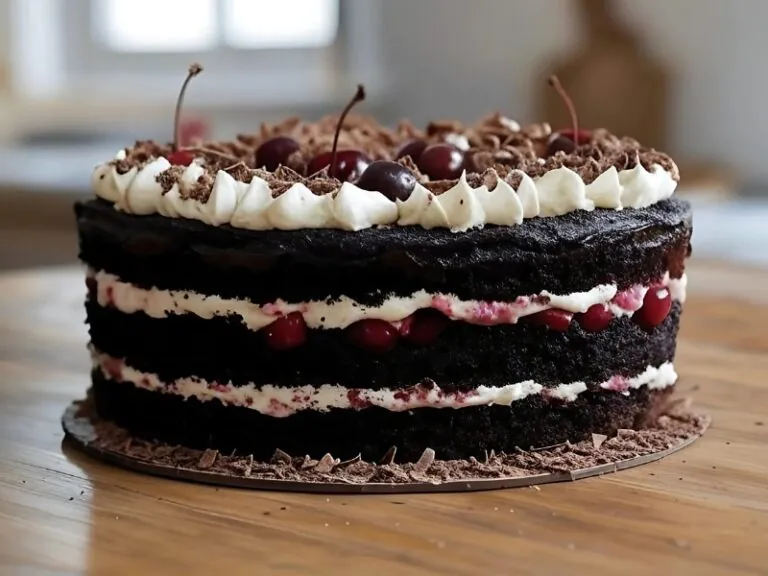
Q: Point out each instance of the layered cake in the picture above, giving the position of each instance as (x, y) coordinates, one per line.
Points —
(341, 287)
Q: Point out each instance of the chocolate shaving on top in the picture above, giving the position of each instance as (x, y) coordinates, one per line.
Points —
(496, 144)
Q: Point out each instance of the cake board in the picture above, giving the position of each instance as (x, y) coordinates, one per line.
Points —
(676, 428)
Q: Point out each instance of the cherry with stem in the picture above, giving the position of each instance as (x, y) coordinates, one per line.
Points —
(179, 156)
(342, 164)
(358, 97)
(554, 81)
(566, 140)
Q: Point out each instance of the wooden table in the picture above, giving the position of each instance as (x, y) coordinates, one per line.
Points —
(701, 511)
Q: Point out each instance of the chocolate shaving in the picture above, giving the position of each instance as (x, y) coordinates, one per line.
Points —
(240, 172)
(308, 463)
(280, 457)
(325, 464)
(208, 459)
(424, 461)
(550, 447)
(169, 178)
(597, 440)
(389, 457)
(351, 461)
(574, 459)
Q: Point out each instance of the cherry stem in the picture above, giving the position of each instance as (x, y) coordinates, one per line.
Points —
(555, 83)
(358, 97)
(194, 70)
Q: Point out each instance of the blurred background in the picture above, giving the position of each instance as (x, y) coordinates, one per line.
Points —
(80, 79)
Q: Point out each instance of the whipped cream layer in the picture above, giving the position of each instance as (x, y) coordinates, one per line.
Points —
(342, 311)
(281, 402)
(251, 205)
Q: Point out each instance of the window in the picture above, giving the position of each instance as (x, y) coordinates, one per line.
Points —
(255, 52)
(186, 25)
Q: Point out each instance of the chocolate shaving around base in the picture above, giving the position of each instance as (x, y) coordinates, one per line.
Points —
(349, 462)
(598, 440)
(389, 457)
(425, 461)
(326, 464)
(280, 457)
(672, 429)
(208, 459)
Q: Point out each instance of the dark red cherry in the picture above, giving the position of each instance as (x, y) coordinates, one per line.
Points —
(181, 158)
(274, 152)
(412, 148)
(585, 136)
(396, 182)
(373, 335)
(596, 318)
(558, 320)
(289, 331)
(558, 143)
(423, 327)
(441, 162)
(350, 164)
(656, 306)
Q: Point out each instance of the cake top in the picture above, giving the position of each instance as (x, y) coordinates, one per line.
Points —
(351, 172)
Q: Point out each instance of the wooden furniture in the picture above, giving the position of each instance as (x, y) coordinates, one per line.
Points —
(611, 78)
(616, 83)
(701, 511)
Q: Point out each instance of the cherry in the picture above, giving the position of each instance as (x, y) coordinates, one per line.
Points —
(596, 318)
(558, 320)
(345, 164)
(393, 180)
(412, 148)
(558, 143)
(274, 152)
(373, 335)
(656, 306)
(582, 136)
(178, 156)
(181, 158)
(348, 165)
(289, 331)
(423, 327)
(441, 162)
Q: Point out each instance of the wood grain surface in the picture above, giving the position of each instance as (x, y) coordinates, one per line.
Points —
(701, 511)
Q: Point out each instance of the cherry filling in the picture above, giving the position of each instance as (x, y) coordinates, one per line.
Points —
(596, 318)
(424, 327)
(289, 331)
(373, 335)
(555, 319)
(656, 306)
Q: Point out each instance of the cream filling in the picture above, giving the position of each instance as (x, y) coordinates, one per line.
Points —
(343, 311)
(280, 402)
(250, 205)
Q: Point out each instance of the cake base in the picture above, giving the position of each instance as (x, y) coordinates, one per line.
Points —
(675, 429)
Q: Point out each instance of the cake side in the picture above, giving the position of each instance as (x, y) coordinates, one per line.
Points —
(569, 253)
(533, 422)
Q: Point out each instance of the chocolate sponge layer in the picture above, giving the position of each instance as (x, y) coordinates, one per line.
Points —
(568, 253)
(464, 357)
(452, 433)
